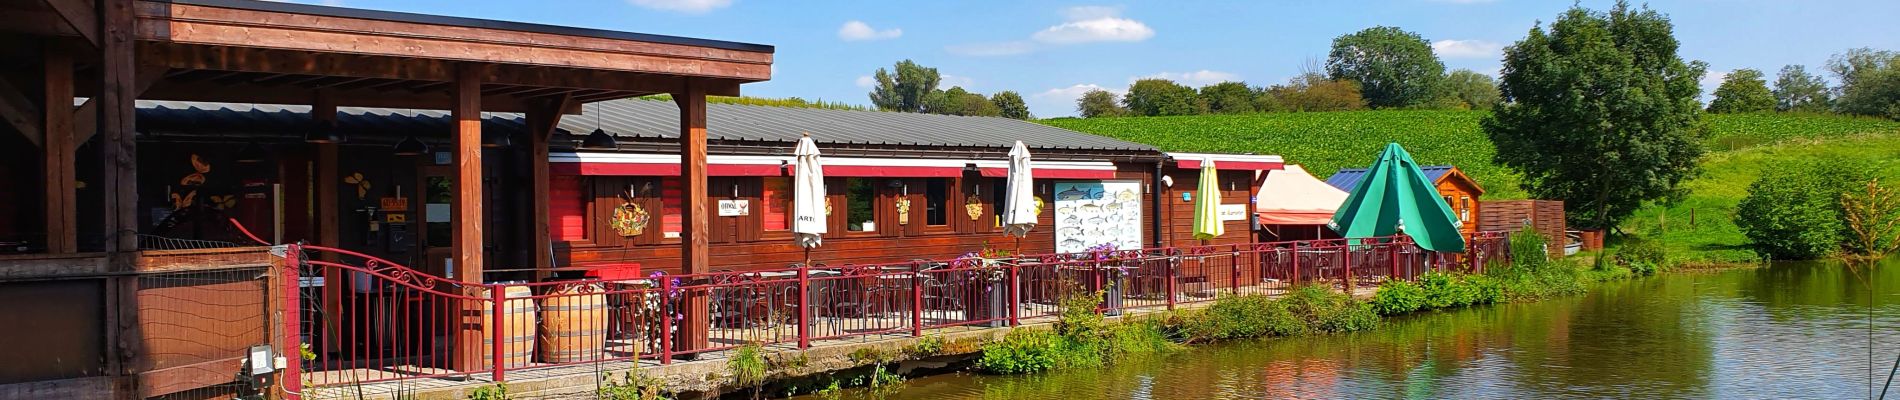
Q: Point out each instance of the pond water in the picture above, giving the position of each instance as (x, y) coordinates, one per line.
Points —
(1786, 331)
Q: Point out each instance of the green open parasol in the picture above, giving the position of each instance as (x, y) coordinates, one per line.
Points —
(1395, 197)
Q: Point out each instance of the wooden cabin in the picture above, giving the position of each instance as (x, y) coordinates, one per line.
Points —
(946, 171)
(1457, 189)
(117, 246)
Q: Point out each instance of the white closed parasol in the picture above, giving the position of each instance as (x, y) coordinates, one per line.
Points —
(1019, 207)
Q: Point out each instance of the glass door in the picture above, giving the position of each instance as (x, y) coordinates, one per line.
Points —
(436, 189)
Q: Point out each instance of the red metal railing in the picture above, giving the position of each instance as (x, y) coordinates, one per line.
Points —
(387, 322)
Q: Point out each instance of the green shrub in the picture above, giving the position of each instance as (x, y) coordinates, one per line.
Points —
(1528, 248)
(1242, 317)
(1443, 290)
(1640, 256)
(1397, 297)
(1022, 351)
(1327, 311)
(1484, 289)
(1794, 212)
(748, 365)
(498, 391)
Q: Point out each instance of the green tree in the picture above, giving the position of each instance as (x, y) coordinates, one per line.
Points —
(1797, 90)
(1599, 112)
(1099, 103)
(1870, 82)
(1228, 98)
(974, 104)
(1161, 97)
(1394, 68)
(1794, 212)
(1470, 89)
(1743, 90)
(906, 90)
(1313, 92)
(1010, 104)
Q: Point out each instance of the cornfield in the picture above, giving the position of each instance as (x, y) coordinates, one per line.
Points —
(1329, 141)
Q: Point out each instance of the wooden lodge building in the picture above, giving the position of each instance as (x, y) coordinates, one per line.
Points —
(135, 130)
(948, 169)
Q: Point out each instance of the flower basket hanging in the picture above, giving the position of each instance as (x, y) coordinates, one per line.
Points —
(629, 220)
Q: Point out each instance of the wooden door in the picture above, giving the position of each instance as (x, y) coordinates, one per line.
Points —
(433, 227)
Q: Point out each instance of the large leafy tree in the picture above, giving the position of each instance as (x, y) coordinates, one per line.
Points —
(1797, 90)
(907, 90)
(1599, 112)
(1394, 68)
(1010, 104)
(1870, 82)
(1099, 103)
(1471, 89)
(1153, 97)
(1743, 90)
(1228, 98)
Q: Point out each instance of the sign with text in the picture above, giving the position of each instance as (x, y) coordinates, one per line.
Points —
(1233, 212)
(734, 208)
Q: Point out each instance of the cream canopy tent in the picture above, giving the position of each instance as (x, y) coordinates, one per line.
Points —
(1292, 196)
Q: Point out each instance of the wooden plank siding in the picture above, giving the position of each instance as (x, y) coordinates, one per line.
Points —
(742, 243)
(1236, 187)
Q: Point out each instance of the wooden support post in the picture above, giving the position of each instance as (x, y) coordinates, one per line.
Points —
(693, 237)
(542, 118)
(466, 115)
(62, 228)
(329, 222)
(118, 186)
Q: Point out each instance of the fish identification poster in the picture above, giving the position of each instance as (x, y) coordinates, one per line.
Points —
(1092, 213)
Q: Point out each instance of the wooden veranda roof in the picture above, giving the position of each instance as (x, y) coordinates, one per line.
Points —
(274, 52)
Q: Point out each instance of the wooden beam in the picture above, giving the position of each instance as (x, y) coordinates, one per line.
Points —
(20, 112)
(176, 22)
(62, 230)
(413, 69)
(80, 15)
(467, 213)
(694, 239)
(542, 121)
(85, 117)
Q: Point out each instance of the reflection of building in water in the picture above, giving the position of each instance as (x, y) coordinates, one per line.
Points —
(1307, 378)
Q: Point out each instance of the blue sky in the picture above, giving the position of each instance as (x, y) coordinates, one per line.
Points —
(1051, 51)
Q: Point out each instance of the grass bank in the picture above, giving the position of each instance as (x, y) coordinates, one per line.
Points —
(1696, 231)
(1081, 338)
(1700, 230)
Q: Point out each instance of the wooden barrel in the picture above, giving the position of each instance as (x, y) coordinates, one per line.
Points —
(517, 328)
(573, 323)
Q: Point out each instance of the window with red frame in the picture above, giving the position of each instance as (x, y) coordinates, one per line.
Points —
(567, 210)
(777, 203)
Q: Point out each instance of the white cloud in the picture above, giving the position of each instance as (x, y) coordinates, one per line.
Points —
(946, 81)
(1710, 80)
(1467, 48)
(865, 81)
(858, 30)
(1196, 78)
(685, 6)
(1060, 102)
(991, 49)
(1099, 29)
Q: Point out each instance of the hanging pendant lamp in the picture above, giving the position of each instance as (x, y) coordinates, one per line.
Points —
(251, 153)
(495, 138)
(599, 139)
(323, 132)
(410, 146)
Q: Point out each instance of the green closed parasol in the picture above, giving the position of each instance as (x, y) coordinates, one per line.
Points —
(1395, 197)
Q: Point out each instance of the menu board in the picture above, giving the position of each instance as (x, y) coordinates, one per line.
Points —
(1092, 213)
